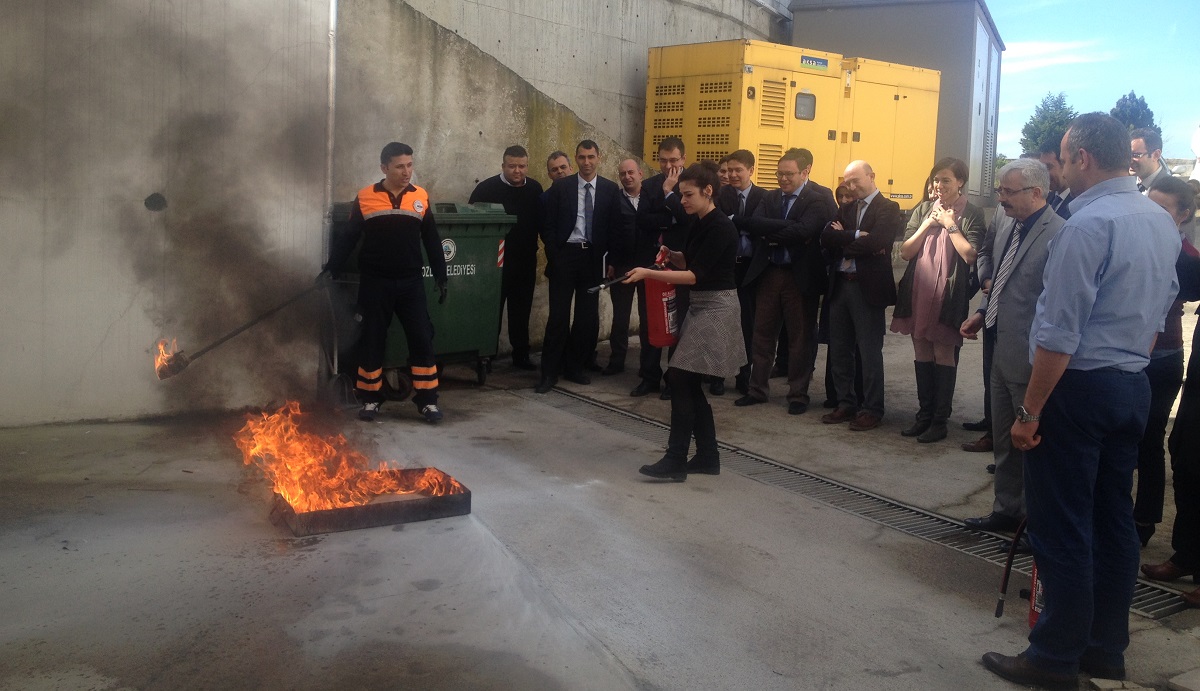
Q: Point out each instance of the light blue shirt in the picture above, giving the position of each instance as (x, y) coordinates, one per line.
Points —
(579, 234)
(1110, 278)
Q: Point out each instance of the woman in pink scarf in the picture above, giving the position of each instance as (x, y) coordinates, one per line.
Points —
(933, 298)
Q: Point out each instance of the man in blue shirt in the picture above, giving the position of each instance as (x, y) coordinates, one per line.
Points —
(1109, 279)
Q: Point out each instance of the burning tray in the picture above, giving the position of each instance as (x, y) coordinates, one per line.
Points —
(387, 509)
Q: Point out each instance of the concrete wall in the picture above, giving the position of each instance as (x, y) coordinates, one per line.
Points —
(220, 107)
(590, 55)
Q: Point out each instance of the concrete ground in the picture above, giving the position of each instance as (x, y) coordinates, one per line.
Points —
(140, 556)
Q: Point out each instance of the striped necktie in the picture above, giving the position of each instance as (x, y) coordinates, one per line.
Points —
(1002, 274)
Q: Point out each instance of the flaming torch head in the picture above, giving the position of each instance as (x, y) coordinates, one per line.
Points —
(169, 361)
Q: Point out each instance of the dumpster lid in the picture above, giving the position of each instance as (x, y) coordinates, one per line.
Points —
(479, 212)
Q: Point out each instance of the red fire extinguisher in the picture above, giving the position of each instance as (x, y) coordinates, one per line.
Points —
(662, 323)
(1037, 596)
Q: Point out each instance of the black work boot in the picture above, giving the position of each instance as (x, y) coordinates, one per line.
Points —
(707, 460)
(943, 396)
(925, 387)
(669, 467)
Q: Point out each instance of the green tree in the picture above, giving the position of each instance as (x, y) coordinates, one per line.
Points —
(1050, 120)
(1001, 161)
(1133, 111)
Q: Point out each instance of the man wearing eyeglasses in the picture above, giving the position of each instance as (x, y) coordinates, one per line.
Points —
(1005, 315)
(789, 268)
(1145, 151)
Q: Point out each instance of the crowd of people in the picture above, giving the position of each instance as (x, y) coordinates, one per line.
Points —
(1083, 268)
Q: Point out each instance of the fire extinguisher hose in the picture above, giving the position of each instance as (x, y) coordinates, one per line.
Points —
(1008, 564)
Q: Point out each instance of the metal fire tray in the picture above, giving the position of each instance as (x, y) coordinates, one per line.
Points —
(389, 509)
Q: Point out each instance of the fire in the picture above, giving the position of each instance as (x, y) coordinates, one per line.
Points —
(163, 359)
(314, 473)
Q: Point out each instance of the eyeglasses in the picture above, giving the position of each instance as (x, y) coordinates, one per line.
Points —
(1139, 155)
(1005, 192)
(786, 176)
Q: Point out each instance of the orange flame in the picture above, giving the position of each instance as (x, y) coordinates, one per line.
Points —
(314, 473)
(165, 351)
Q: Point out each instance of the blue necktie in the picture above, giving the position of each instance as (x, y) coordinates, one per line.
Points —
(587, 212)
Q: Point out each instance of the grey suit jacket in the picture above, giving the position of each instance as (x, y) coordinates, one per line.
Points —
(1019, 297)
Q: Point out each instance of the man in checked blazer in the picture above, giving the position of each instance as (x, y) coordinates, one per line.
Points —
(862, 287)
(788, 268)
(581, 222)
(1019, 257)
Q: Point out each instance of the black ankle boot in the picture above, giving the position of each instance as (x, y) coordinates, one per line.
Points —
(925, 387)
(708, 457)
(668, 468)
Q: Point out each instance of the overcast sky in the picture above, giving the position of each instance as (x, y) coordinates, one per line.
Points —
(1096, 51)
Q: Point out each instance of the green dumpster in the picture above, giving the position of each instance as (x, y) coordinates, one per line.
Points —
(466, 328)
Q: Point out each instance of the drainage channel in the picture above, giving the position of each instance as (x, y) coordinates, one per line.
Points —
(1150, 600)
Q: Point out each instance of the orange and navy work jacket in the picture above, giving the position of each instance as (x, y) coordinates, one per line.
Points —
(393, 229)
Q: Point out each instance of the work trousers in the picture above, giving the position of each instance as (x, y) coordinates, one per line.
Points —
(778, 302)
(1007, 394)
(378, 300)
(1165, 375)
(853, 321)
(517, 280)
(1185, 471)
(622, 296)
(1078, 484)
(569, 343)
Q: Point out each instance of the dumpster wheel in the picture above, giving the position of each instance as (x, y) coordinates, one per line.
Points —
(397, 384)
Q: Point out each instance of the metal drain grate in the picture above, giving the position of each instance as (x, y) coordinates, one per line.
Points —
(1149, 599)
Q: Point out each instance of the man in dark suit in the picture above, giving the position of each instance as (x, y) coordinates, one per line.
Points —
(629, 172)
(661, 220)
(1021, 249)
(582, 221)
(788, 267)
(862, 288)
(738, 200)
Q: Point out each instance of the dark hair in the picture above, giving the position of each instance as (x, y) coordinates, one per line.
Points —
(802, 157)
(841, 190)
(1104, 137)
(516, 151)
(702, 174)
(743, 156)
(392, 150)
(1152, 139)
(1052, 145)
(557, 154)
(723, 160)
(1180, 191)
(587, 144)
(672, 144)
(955, 165)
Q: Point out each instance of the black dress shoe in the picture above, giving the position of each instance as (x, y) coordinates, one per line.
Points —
(797, 408)
(666, 393)
(1022, 671)
(981, 426)
(747, 400)
(742, 386)
(593, 366)
(643, 388)
(612, 369)
(991, 468)
(581, 379)
(545, 385)
(993, 522)
(1091, 665)
(525, 364)
(717, 387)
(1145, 531)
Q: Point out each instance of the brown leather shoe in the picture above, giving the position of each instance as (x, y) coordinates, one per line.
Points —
(1192, 598)
(980, 445)
(838, 416)
(863, 422)
(1022, 671)
(1166, 571)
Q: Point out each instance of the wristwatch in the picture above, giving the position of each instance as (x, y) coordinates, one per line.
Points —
(952, 229)
(1025, 416)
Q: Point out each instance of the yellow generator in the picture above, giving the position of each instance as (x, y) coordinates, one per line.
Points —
(727, 95)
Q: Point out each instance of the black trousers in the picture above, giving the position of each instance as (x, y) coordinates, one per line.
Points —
(1185, 470)
(378, 300)
(570, 342)
(517, 280)
(989, 352)
(1165, 375)
(622, 296)
(746, 294)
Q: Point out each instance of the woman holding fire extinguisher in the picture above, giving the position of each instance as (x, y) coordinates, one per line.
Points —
(710, 339)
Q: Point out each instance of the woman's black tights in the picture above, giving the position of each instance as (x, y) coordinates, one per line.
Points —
(691, 415)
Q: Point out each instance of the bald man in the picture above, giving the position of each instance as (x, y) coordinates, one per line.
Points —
(862, 288)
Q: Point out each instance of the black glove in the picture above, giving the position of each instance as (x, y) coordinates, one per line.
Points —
(441, 285)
